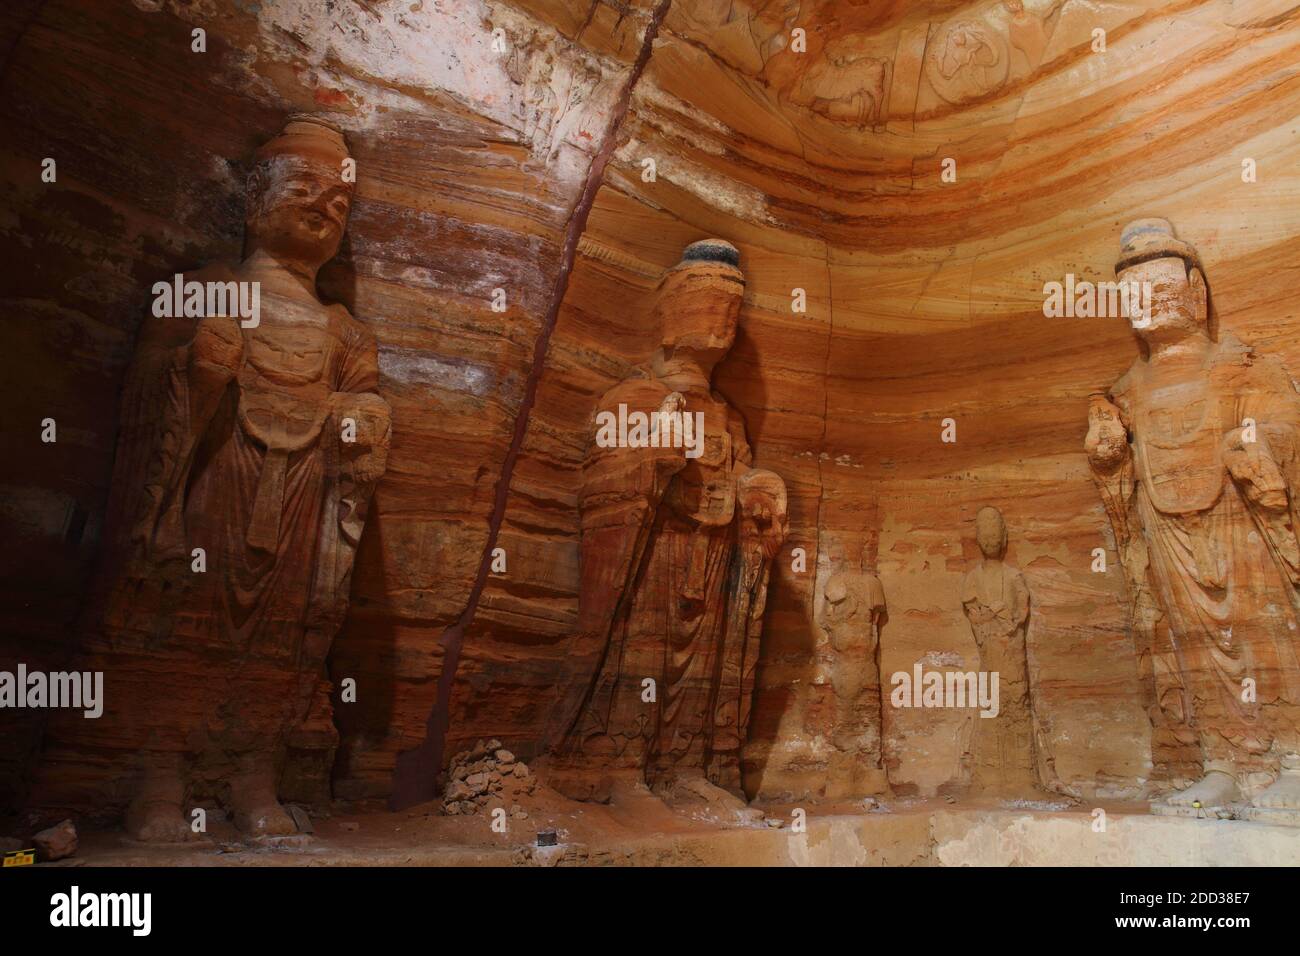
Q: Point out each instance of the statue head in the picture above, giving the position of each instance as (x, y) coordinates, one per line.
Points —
(991, 532)
(298, 199)
(1153, 257)
(698, 304)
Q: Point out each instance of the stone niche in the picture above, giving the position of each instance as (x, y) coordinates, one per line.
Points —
(893, 196)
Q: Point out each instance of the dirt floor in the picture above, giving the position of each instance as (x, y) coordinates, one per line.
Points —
(633, 829)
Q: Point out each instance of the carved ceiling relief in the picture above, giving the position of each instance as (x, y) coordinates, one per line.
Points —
(974, 54)
(850, 79)
(848, 83)
(557, 100)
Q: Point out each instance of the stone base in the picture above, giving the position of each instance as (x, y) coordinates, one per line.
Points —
(297, 840)
(1232, 811)
(199, 841)
(1270, 816)
(1226, 812)
(849, 779)
(1068, 839)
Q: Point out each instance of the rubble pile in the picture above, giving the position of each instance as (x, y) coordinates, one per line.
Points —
(486, 776)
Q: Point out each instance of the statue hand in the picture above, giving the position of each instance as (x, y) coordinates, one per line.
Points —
(366, 455)
(761, 495)
(1107, 440)
(1254, 468)
(674, 403)
(672, 458)
(978, 614)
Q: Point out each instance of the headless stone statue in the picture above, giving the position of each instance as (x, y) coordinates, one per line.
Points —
(1195, 451)
(852, 613)
(676, 549)
(996, 602)
(257, 443)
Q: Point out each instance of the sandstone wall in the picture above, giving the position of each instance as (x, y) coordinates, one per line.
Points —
(923, 302)
(470, 162)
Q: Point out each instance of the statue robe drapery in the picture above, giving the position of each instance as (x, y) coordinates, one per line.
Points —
(1223, 568)
(672, 590)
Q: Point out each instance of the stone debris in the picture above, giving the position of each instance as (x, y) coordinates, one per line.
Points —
(484, 774)
(1052, 806)
(57, 842)
(301, 819)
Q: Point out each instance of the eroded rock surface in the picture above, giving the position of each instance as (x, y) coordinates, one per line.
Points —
(823, 164)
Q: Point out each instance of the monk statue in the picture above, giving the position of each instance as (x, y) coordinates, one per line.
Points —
(852, 613)
(677, 542)
(248, 452)
(1195, 452)
(995, 598)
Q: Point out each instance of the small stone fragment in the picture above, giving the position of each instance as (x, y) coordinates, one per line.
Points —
(458, 790)
(300, 818)
(57, 842)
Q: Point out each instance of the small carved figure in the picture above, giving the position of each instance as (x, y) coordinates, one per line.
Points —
(852, 614)
(996, 601)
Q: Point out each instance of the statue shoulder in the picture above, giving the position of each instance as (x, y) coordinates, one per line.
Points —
(835, 583)
(1233, 352)
(735, 420)
(639, 391)
(352, 330)
(722, 400)
(969, 587)
(736, 428)
(172, 329)
(874, 590)
(1119, 392)
(220, 271)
